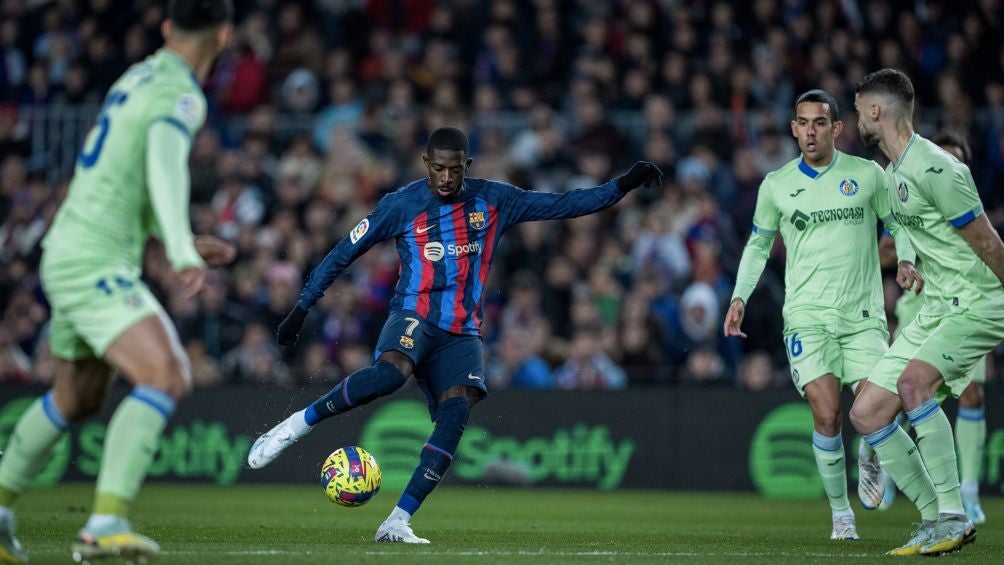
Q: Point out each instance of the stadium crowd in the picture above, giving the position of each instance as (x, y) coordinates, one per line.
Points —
(321, 107)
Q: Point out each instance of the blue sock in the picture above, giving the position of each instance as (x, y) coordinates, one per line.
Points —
(437, 453)
(363, 386)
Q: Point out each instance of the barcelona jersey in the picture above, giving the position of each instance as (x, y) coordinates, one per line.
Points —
(446, 246)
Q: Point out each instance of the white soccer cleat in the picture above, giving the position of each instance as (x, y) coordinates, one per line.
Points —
(397, 531)
(11, 550)
(871, 480)
(267, 447)
(890, 492)
(844, 528)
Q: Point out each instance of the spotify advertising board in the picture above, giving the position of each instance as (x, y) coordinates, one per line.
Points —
(676, 438)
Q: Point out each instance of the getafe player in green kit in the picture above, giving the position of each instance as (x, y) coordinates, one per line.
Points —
(970, 420)
(826, 205)
(962, 260)
(131, 181)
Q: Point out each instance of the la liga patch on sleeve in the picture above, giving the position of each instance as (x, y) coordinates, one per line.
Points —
(189, 110)
(360, 230)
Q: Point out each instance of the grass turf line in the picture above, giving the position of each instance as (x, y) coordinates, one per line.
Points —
(296, 524)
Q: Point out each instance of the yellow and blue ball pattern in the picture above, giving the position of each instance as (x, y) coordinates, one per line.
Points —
(351, 476)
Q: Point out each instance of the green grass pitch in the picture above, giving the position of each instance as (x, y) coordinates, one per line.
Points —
(296, 524)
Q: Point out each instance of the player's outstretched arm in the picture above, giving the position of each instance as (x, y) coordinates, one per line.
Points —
(381, 224)
(983, 238)
(530, 205)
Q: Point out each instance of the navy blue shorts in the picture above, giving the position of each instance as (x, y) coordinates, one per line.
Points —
(442, 359)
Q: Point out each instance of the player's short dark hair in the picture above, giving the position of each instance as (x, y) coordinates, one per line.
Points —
(890, 82)
(448, 138)
(197, 15)
(949, 137)
(823, 97)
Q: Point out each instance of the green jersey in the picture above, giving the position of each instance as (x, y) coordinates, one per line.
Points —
(112, 208)
(828, 220)
(932, 193)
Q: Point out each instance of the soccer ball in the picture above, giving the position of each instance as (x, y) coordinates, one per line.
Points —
(350, 476)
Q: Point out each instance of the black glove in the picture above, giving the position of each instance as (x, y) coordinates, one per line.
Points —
(289, 329)
(641, 173)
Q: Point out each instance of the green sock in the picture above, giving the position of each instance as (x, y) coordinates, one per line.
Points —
(829, 452)
(30, 447)
(937, 448)
(901, 459)
(129, 448)
(970, 437)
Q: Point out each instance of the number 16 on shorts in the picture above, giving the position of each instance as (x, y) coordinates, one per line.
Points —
(793, 346)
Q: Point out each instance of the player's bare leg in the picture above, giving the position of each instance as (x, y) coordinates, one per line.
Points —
(150, 355)
(823, 395)
(77, 393)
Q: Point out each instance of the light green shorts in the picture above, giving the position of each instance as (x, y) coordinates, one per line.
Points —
(955, 343)
(908, 306)
(829, 344)
(93, 305)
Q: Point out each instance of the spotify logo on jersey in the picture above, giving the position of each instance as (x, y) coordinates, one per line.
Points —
(782, 464)
(433, 251)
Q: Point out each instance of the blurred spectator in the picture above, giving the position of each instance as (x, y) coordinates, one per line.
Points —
(555, 94)
(514, 362)
(589, 367)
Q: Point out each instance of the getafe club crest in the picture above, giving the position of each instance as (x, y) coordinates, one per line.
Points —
(848, 187)
(477, 219)
(903, 192)
(407, 342)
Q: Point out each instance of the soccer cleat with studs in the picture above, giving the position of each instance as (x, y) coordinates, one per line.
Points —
(11, 550)
(273, 442)
(397, 531)
(949, 535)
(844, 528)
(919, 537)
(116, 540)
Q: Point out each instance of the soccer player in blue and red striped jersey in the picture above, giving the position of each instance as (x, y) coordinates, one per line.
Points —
(447, 228)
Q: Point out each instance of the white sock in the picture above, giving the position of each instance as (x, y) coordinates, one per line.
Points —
(6, 513)
(299, 424)
(98, 521)
(843, 514)
(399, 514)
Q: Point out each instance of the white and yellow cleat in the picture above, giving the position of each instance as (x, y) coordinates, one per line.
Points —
(951, 533)
(114, 540)
(920, 537)
(11, 550)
